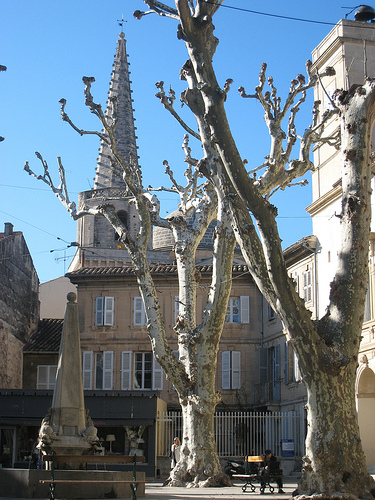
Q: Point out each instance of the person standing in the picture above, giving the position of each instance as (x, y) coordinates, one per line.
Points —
(175, 452)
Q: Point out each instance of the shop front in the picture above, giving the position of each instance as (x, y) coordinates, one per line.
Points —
(126, 424)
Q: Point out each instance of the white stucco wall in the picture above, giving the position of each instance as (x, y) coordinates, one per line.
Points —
(52, 296)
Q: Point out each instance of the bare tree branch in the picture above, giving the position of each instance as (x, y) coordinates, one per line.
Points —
(168, 104)
(60, 191)
(156, 8)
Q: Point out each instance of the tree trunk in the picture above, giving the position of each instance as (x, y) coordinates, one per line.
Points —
(334, 463)
(199, 463)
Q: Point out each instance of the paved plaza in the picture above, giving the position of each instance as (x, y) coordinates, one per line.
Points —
(156, 491)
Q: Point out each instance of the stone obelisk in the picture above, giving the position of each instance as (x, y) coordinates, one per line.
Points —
(67, 429)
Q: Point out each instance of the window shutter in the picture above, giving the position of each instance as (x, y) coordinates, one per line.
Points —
(176, 307)
(296, 282)
(263, 365)
(52, 370)
(286, 367)
(41, 377)
(271, 313)
(99, 311)
(276, 373)
(245, 309)
(87, 370)
(296, 374)
(157, 375)
(109, 311)
(307, 285)
(236, 370)
(139, 315)
(367, 313)
(225, 370)
(108, 370)
(126, 370)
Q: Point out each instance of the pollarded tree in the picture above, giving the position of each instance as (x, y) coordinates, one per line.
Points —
(193, 373)
(327, 349)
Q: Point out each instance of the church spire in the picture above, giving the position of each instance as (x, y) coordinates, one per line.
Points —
(125, 130)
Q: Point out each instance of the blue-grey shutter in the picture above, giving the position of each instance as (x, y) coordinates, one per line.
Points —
(99, 311)
(286, 364)
(263, 365)
(236, 369)
(109, 310)
(87, 369)
(126, 370)
(139, 314)
(157, 375)
(225, 370)
(245, 309)
(276, 374)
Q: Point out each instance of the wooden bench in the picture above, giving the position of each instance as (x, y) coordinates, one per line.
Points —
(92, 459)
(255, 473)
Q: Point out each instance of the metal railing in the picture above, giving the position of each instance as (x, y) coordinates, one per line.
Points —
(241, 433)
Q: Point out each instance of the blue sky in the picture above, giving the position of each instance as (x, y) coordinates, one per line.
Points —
(48, 47)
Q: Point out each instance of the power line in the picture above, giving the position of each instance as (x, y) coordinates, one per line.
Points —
(288, 18)
(278, 16)
(32, 225)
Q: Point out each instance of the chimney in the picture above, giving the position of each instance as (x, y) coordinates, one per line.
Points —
(8, 229)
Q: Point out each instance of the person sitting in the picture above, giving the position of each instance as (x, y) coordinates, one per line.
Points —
(271, 465)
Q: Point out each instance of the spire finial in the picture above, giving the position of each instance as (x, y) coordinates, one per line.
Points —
(121, 23)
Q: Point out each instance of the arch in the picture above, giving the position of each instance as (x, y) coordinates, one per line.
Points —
(124, 218)
(365, 389)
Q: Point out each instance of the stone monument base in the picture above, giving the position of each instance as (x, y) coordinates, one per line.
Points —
(24, 483)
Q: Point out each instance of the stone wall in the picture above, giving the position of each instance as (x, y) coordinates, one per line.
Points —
(19, 305)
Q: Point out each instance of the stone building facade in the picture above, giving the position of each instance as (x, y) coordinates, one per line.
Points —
(19, 304)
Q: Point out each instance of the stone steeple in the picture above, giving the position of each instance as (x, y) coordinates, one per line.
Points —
(98, 242)
(125, 131)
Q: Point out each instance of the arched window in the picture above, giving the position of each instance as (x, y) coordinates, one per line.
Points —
(123, 216)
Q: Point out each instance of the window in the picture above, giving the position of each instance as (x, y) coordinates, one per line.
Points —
(104, 311)
(238, 310)
(231, 370)
(139, 312)
(296, 372)
(276, 373)
(123, 216)
(307, 285)
(263, 365)
(271, 313)
(148, 374)
(104, 370)
(46, 376)
(270, 372)
(367, 313)
(296, 281)
(327, 96)
(291, 369)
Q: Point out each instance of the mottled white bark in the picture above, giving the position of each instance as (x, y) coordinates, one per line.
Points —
(327, 349)
(193, 374)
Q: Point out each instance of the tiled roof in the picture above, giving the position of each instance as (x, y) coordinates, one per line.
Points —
(47, 337)
(155, 269)
(3, 236)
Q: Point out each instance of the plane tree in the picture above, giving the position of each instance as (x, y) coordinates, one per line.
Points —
(201, 202)
(327, 348)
